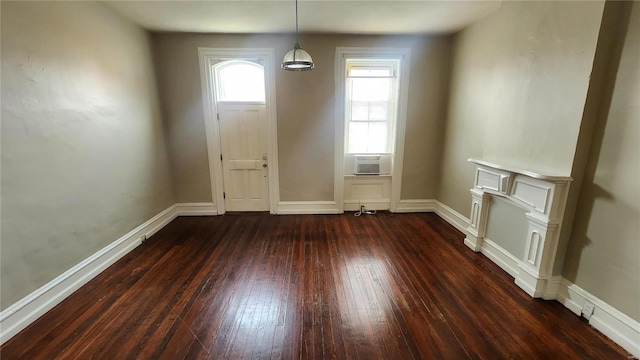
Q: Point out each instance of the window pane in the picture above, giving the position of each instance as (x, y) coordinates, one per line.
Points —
(367, 137)
(378, 110)
(370, 89)
(358, 132)
(240, 81)
(377, 139)
(380, 72)
(370, 86)
(359, 72)
(370, 72)
(359, 110)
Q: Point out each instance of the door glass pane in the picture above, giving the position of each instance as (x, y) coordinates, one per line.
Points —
(239, 80)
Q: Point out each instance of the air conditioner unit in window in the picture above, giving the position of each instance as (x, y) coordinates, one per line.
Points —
(367, 165)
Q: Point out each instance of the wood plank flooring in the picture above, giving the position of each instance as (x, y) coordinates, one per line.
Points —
(248, 286)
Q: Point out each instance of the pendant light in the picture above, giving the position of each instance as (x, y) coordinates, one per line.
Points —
(297, 59)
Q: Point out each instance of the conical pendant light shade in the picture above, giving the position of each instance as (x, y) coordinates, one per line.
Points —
(297, 59)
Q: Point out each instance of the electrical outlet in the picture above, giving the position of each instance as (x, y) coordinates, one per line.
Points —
(587, 310)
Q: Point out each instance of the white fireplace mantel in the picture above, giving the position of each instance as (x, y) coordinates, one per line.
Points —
(543, 196)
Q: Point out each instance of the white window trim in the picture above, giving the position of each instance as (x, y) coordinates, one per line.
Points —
(208, 58)
(342, 54)
(391, 111)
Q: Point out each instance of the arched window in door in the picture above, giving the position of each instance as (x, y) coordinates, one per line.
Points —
(239, 80)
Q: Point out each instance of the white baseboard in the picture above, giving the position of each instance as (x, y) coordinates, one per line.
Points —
(307, 207)
(19, 315)
(451, 216)
(616, 325)
(551, 290)
(501, 257)
(196, 209)
(415, 205)
(369, 205)
(611, 322)
(608, 320)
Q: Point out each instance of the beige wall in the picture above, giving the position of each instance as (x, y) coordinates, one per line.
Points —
(604, 252)
(605, 57)
(84, 158)
(471, 74)
(305, 110)
(428, 96)
(540, 83)
(518, 89)
(83, 150)
(519, 95)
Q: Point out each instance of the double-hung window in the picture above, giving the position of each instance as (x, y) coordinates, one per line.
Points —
(371, 105)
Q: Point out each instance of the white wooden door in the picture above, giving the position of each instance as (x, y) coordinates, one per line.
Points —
(243, 140)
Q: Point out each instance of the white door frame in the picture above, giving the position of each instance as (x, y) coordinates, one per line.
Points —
(209, 57)
(342, 54)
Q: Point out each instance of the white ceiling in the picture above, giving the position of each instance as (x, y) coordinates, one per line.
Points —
(325, 16)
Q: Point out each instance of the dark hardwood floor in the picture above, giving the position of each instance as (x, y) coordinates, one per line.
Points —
(389, 286)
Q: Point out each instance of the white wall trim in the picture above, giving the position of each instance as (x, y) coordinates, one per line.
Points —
(208, 57)
(496, 253)
(372, 191)
(451, 216)
(401, 124)
(415, 205)
(552, 288)
(212, 132)
(196, 209)
(338, 155)
(610, 321)
(19, 315)
(307, 207)
(613, 323)
(343, 53)
(354, 205)
(501, 257)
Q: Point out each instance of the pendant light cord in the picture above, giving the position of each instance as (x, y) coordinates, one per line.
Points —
(297, 59)
(297, 35)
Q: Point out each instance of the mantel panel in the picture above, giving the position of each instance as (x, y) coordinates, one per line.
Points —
(536, 194)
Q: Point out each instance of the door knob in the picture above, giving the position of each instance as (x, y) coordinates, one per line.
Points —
(264, 158)
(264, 165)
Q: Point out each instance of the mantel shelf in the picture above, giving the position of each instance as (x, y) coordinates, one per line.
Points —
(532, 174)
